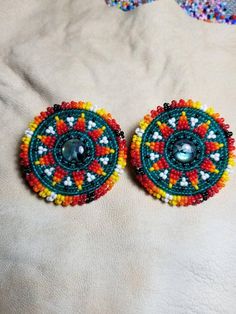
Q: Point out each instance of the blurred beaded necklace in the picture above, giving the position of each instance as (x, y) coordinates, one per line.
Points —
(206, 10)
(211, 10)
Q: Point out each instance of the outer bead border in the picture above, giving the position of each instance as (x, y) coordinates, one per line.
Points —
(150, 187)
(66, 200)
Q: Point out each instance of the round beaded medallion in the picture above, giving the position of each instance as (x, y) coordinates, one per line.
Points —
(73, 153)
(182, 152)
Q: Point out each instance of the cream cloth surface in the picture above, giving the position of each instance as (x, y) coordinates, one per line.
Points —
(125, 253)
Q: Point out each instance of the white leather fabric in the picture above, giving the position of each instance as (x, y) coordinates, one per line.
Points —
(125, 253)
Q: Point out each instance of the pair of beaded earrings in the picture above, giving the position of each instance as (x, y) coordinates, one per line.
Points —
(73, 153)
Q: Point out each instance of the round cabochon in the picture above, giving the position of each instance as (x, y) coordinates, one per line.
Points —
(221, 11)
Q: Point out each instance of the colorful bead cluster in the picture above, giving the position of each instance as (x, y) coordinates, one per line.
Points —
(73, 153)
(182, 153)
(211, 10)
(127, 5)
(206, 10)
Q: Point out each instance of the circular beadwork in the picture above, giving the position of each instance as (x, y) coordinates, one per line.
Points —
(182, 152)
(73, 153)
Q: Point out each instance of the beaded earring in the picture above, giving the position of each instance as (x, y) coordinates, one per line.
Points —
(73, 153)
(182, 153)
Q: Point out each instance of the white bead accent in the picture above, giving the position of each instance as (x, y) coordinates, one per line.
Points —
(90, 177)
(167, 198)
(154, 156)
(49, 171)
(104, 160)
(194, 121)
(215, 156)
(94, 108)
(50, 130)
(163, 174)
(172, 122)
(70, 120)
(104, 140)
(156, 136)
(139, 132)
(119, 169)
(51, 197)
(81, 149)
(184, 182)
(29, 133)
(211, 135)
(42, 150)
(229, 169)
(91, 124)
(204, 107)
(68, 182)
(204, 175)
